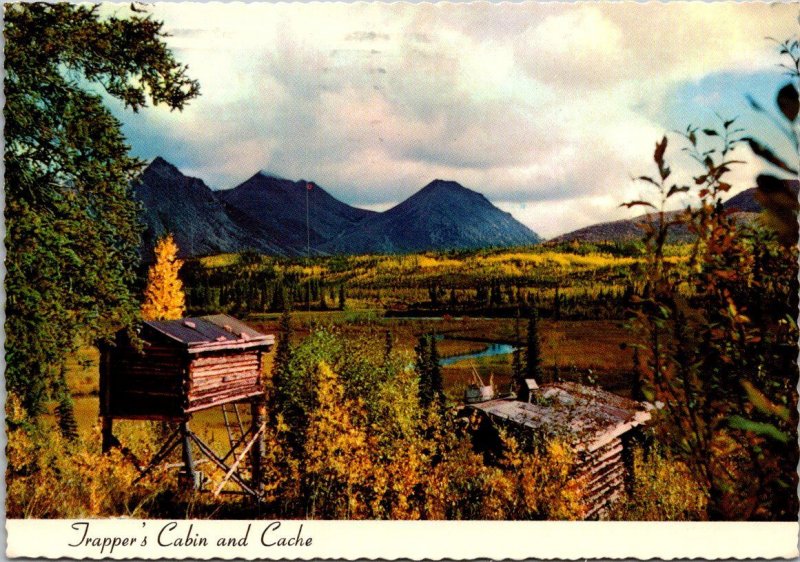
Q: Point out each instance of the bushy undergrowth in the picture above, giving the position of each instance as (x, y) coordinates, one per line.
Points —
(362, 446)
(49, 476)
(663, 489)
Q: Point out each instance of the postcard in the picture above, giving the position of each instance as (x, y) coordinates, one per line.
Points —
(401, 280)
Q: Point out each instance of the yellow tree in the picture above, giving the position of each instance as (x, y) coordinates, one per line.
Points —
(164, 298)
(338, 466)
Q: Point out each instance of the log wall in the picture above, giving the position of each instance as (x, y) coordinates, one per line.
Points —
(166, 382)
(223, 377)
(603, 473)
(146, 385)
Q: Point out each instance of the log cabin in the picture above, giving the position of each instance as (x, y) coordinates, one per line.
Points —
(598, 426)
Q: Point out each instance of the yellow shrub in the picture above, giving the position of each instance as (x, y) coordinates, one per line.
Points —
(663, 490)
(336, 456)
(48, 477)
(546, 481)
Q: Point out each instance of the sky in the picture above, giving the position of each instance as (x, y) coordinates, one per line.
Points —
(548, 109)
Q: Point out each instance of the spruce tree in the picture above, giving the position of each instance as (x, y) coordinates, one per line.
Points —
(453, 297)
(72, 230)
(423, 364)
(435, 372)
(431, 385)
(163, 297)
(279, 297)
(433, 295)
(65, 410)
(281, 363)
(517, 365)
(557, 304)
(533, 355)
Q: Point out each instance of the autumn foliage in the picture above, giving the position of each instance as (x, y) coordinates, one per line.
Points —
(163, 297)
(367, 447)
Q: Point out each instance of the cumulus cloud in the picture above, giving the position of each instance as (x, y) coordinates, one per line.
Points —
(546, 108)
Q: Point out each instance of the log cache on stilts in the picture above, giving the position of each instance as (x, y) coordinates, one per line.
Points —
(174, 368)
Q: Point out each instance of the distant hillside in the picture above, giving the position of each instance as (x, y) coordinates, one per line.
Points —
(624, 230)
(747, 200)
(745, 205)
(200, 221)
(278, 207)
(443, 215)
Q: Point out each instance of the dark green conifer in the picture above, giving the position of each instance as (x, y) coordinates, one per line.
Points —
(453, 297)
(65, 410)
(73, 233)
(517, 363)
(283, 358)
(435, 373)
(557, 304)
(533, 355)
(423, 365)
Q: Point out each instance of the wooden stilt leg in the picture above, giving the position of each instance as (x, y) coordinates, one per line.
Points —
(258, 411)
(108, 435)
(191, 481)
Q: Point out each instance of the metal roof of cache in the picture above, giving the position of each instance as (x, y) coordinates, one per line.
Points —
(214, 332)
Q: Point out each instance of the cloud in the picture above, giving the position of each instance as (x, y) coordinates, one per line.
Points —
(366, 36)
(599, 45)
(546, 108)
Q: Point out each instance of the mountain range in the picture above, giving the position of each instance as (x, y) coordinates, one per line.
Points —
(278, 206)
(442, 215)
(201, 222)
(268, 215)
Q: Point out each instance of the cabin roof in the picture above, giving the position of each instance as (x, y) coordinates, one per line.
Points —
(211, 333)
(588, 417)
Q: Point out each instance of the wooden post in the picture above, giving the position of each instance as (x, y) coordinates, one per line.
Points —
(191, 480)
(108, 434)
(258, 414)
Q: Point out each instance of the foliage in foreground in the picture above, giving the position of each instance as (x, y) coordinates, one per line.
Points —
(362, 446)
(721, 335)
(50, 477)
(663, 489)
(379, 457)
